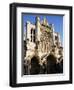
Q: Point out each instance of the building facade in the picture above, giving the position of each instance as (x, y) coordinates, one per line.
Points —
(40, 40)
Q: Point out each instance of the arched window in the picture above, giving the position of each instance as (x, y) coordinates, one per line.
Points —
(56, 37)
(33, 35)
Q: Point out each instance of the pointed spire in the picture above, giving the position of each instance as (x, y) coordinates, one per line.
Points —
(38, 19)
(44, 20)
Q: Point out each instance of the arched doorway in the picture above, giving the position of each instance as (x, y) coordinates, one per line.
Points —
(35, 67)
(51, 64)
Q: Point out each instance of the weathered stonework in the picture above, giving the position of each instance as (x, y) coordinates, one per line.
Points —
(40, 38)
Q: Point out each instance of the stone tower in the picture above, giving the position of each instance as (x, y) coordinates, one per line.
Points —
(38, 33)
(28, 30)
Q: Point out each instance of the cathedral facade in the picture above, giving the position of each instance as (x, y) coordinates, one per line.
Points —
(41, 37)
(40, 40)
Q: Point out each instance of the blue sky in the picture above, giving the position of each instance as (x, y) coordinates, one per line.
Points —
(57, 20)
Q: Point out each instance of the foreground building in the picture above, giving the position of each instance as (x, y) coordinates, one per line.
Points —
(40, 39)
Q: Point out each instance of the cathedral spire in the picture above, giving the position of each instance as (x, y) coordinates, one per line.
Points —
(44, 20)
